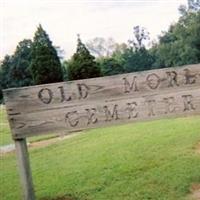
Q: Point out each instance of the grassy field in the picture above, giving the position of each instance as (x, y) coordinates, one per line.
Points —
(142, 161)
(5, 137)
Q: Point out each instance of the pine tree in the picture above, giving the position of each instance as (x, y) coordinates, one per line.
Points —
(45, 65)
(82, 64)
(5, 75)
(20, 67)
(5, 68)
(15, 69)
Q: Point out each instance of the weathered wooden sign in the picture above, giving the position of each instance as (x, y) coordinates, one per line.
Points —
(91, 103)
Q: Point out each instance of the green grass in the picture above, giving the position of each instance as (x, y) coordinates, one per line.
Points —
(143, 161)
(5, 135)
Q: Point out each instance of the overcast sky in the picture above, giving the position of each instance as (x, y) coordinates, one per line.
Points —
(64, 19)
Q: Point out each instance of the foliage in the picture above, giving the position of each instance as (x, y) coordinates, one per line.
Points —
(5, 75)
(134, 56)
(137, 60)
(110, 66)
(194, 5)
(45, 64)
(20, 70)
(82, 65)
(181, 44)
(6, 64)
(14, 70)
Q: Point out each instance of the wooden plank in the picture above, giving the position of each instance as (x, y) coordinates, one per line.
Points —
(51, 96)
(24, 169)
(107, 112)
(47, 108)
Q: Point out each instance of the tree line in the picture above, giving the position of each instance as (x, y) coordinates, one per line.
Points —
(37, 61)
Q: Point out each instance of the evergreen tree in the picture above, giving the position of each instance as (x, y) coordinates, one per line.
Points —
(15, 69)
(5, 71)
(20, 67)
(82, 64)
(5, 75)
(45, 65)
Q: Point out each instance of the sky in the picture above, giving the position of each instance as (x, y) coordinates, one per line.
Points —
(64, 19)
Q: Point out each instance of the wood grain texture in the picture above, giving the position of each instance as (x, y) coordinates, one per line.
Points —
(90, 103)
(24, 169)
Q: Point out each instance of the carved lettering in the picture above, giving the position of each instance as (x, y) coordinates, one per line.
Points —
(189, 77)
(153, 81)
(172, 79)
(62, 93)
(129, 87)
(108, 114)
(83, 90)
(91, 114)
(45, 95)
(169, 104)
(150, 105)
(187, 100)
(132, 111)
(72, 118)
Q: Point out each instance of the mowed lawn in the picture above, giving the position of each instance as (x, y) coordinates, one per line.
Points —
(5, 136)
(142, 161)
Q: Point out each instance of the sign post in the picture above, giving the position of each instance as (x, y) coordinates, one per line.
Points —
(98, 102)
(24, 169)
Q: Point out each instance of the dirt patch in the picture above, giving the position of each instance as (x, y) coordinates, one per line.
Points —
(44, 143)
(195, 192)
(197, 148)
(47, 142)
(4, 150)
